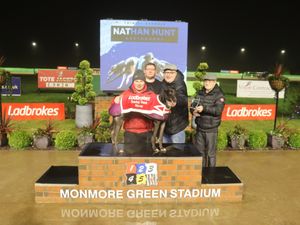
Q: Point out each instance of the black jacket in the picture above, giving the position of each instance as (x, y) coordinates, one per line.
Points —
(213, 105)
(179, 118)
(156, 86)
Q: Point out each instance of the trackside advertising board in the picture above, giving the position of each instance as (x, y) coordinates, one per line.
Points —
(249, 112)
(34, 111)
(56, 79)
(128, 45)
(255, 89)
(16, 87)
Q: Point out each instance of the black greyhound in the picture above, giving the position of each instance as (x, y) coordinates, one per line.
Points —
(168, 98)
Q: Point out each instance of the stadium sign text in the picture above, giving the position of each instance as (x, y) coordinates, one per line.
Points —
(140, 193)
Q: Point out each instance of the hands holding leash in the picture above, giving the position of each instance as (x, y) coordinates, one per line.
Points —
(198, 110)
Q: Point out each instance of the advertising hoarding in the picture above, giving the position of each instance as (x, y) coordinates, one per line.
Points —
(34, 111)
(16, 87)
(127, 45)
(249, 112)
(255, 89)
(56, 79)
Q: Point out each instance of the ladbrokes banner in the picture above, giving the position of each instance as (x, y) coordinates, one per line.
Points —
(249, 112)
(34, 111)
(57, 79)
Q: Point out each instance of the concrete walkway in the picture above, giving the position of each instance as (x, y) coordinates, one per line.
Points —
(271, 196)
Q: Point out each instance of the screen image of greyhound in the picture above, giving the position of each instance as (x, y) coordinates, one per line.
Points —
(125, 69)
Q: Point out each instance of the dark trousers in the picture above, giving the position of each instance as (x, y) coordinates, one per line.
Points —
(206, 144)
(137, 143)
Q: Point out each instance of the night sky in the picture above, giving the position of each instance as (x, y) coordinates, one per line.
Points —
(263, 29)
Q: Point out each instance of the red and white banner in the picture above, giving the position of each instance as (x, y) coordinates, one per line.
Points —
(34, 111)
(147, 103)
(57, 79)
(249, 112)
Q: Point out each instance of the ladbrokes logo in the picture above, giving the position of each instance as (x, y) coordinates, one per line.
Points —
(248, 112)
(28, 111)
(136, 97)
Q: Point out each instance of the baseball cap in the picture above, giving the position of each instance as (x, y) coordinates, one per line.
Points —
(170, 67)
(210, 77)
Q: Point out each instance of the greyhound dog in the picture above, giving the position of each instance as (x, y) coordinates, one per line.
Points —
(168, 98)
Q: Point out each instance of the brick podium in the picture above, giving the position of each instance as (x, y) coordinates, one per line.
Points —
(104, 177)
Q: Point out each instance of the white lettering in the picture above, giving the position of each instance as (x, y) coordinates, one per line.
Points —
(64, 193)
(44, 79)
(90, 213)
(140, 213)
(244, 112)
(141, 194)
(173, 193)
(139, 98)
(102, 194)
(215, 193)
(130, 194)
(74, 193)
(32, 111)
(92, 193)
(9, 110)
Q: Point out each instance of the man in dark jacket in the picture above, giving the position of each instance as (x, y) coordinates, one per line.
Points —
(178, 119)
(153, 84)
(207, 108)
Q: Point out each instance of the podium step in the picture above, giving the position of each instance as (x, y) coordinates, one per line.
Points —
(59, 175)
(219, 175)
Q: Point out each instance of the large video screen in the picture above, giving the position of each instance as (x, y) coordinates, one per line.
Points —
(127, 45)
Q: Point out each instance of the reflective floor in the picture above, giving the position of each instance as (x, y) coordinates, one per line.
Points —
(271, 196)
